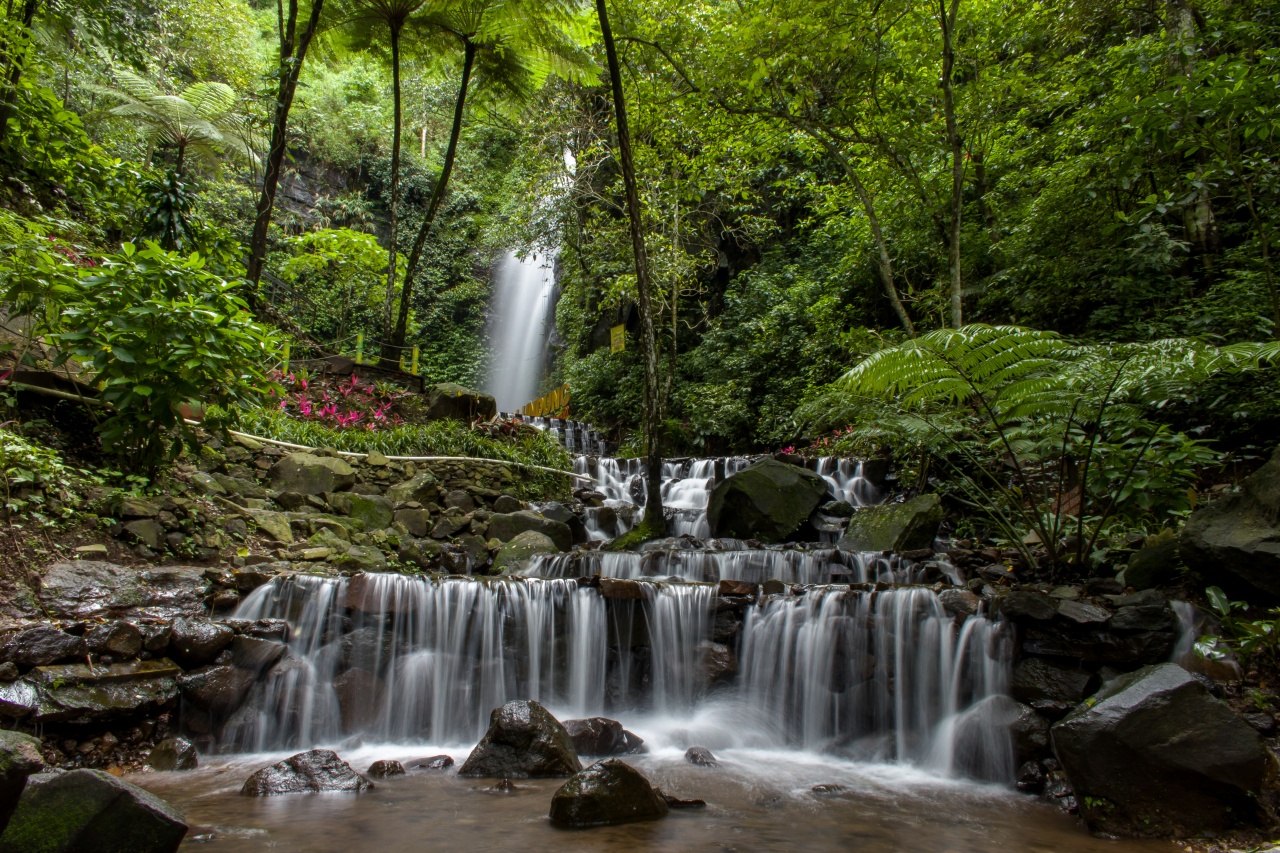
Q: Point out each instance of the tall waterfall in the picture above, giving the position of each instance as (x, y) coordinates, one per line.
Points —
(520, 327)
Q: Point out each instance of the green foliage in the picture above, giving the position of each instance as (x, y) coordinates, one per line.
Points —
(1254, 641)
(1069, 420)
(167, 216)
(160, 332)
(337, 274)
(437, 438)
(38, 486)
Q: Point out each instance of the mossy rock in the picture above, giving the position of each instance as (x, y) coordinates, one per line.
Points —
(448, 400)
(769, 501)
(517, 553)
(910, 526)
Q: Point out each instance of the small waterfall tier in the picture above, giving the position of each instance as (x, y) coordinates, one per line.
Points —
(876, 673)
(727, 559)
(686, 487)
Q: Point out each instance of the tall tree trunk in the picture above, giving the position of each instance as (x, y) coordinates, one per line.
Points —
(654, 519)
(388, 352)
(291, 58)
(884, 263)
(182, 157)
(16, 57)
(948, 17)
(437, 196)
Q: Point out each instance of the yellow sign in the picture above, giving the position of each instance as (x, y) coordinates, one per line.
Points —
(618, 338)
(554, 404)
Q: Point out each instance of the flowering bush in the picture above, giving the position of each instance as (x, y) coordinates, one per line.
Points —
(350, 403)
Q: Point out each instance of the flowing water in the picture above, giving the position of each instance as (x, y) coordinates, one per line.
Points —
(521, 326)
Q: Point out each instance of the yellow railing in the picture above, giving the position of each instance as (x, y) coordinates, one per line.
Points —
(552, 405)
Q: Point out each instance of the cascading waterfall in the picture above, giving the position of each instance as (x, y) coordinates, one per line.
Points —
(523, 290)
(871, 674)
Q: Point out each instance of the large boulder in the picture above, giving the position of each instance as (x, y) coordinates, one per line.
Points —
(374, 511)
(1153, 752)
(507, 526)
(909, 526)
(19, 758)
(80, 693)
(423, 488)
(195, 642)
(88, 810)
(606, 793)
(1039, 680)
(174, 753)
(768, 501)
(523, 741)
(308, 474)
(450, 400)
(88, 589)
(314, 772)
(517, 553)
(597, 736)
(1234, 542)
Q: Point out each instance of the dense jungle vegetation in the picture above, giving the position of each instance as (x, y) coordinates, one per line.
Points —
(1048, 229)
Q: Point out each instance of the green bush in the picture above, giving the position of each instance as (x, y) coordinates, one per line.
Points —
(160, 331)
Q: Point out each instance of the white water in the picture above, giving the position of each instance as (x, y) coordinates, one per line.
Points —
(520, 327)
(873, 675)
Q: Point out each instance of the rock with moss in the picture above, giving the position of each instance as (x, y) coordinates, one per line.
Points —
(1155, 563)
(517, 553)
(1153, 753)
(608, 792)
(19, 759)
(308, 474)
(448, 400)
(274, 525)
(507, 526)
(422, 488)
(909, 526)
(360, 558)
(91, 810)
(769, 501)
(523, 741)
(373, 511)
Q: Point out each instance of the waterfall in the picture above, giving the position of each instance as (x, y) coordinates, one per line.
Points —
(520, 327)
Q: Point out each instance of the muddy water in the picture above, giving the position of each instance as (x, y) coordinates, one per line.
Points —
(757, 801)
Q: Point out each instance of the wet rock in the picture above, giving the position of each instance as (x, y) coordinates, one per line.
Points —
(1083, 613)
(606, 793)
(82, 693)
(1263, 723)
(42, 645)
(506, 786)
(1155, 563)
(174, 753)
(560, 512)
(88, 589)
(313, 772)
(1058, 791)
(9, 671)
(88, 810)
(960, 602)
(435, 762)
(19, 759)
(597, 736)
(908, 526)
(515, 555)
(196, 642)
(358, 692)
(768, 501)
(385, 769)
(307, 474)
(678, 803)
(118, 638)
(828, 789)
(220, 690)
(732, 587)
(506, 504)
(1031, 777)
(368, 649)
(701, 756)
(1024, 606)
(523, 740)
(256, 655)
(1037, 679)
(507, 526)
(623, 589)
(18, 699)
(1154, 752)
(719, 662)
(985, 733)
(726, 627)
(448, 400)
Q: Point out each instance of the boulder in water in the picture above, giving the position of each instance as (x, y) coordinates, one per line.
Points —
(435, 762)
(523, 741)
(1234, 542)
(88, 810)
(996, 735)
(597, 736)
(308, 474)
(507, 526)
(313, 772)
(909, 526)
(768, 501)
(385, 769)
(524, 547)
(448, 400)
(701, 756)
(606, 793)
(19, 759)
(174, 753)
(1153, 752)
